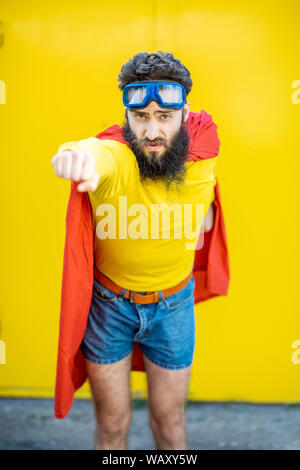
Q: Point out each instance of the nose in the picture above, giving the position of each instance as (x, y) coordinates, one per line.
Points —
(152, 131)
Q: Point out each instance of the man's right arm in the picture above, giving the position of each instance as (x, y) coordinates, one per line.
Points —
(86, 161)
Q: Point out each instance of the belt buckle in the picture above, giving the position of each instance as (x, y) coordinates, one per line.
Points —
(155, 293)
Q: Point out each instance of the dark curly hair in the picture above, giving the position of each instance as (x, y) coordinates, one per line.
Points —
(154, 66)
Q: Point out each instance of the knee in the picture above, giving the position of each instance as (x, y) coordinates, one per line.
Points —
(167, 422)
(114, 425)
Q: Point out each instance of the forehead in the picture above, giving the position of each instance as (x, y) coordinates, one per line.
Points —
(153, 107)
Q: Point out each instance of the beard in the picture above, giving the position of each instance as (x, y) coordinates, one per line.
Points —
(169, 167)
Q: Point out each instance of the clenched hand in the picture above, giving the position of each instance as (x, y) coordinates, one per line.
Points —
(78, 166)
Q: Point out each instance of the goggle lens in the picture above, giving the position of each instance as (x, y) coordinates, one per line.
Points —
(136, 95)
(170, 93)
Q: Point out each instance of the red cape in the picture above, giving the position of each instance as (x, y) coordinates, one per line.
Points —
(210, 269)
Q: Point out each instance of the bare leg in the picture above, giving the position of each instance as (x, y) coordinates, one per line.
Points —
(167, 390)
(110, 386)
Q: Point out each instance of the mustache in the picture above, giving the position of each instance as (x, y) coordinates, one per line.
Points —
(152, 142)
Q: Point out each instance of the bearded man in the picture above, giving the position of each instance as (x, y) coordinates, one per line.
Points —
(143, 284)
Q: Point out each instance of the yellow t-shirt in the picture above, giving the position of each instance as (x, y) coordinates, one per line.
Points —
(145, 235)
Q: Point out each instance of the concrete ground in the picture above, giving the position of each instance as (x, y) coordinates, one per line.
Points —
(29, 423)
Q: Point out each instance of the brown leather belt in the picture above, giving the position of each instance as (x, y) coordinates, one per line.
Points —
(148, 298)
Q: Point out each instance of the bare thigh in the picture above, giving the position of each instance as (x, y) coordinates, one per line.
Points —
(110, 387)
(167, 389)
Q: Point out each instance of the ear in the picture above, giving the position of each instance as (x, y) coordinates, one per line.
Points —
(186, 108)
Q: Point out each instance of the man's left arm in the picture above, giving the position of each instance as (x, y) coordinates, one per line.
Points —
(209, 218)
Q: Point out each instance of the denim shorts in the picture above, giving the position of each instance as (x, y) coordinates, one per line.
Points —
(165, 330)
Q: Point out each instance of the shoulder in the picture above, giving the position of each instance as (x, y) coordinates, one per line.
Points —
(111, 144)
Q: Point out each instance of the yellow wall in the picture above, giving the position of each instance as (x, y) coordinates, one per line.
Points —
(59, 62)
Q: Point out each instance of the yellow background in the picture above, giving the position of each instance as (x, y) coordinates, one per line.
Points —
(59, 61)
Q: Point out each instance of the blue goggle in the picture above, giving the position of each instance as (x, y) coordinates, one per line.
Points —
(167, 94)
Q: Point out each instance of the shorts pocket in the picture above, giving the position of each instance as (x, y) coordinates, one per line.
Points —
(102, 293)
(181, 297)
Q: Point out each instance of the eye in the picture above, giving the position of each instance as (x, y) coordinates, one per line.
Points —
(165, 116)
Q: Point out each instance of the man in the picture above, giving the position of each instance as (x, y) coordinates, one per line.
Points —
(143, 285)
